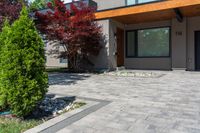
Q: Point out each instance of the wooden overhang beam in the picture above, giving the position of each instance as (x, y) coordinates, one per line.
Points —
(139, 9)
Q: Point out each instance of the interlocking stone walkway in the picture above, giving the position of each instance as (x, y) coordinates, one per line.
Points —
(167, 104)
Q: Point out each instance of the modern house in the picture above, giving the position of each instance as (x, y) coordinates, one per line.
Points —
(149, 34)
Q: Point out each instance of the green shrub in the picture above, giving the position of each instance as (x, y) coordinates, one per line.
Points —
(3, 38)
(23, 79)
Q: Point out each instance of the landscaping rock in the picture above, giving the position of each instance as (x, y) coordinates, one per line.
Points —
(129, 73)
(51, 107)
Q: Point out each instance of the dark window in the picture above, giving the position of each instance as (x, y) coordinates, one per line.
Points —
(63, 60)
(131, 43)
(149, 43)
(134, 2)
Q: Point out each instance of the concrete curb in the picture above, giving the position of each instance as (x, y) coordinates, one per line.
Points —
(68, 118)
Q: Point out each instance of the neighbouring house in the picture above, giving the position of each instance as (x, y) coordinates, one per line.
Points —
(149, 34)
(53, 48)
(52, 52)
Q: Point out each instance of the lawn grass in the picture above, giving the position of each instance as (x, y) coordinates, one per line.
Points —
(78, 104)
(15, 125)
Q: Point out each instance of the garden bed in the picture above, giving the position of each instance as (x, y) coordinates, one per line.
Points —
(134, 73)
(49, 108)
(61, 70)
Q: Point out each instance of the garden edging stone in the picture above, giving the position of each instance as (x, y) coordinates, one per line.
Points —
(68, 118)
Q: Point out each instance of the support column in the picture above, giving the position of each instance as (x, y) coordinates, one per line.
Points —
(178, 46)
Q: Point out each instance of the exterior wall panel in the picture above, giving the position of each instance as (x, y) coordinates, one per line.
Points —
(101, 61)
(113, 43)
(178, 39)
(52, 60)
(108, 4)
(148, 63)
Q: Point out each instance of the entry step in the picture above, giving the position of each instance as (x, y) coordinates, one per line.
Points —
(120, 68)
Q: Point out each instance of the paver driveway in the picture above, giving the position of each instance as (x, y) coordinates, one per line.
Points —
(168, 104)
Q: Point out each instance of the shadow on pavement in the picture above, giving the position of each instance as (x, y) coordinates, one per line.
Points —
(66, 78)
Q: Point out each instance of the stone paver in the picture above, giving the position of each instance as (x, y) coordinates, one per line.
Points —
(168, 104)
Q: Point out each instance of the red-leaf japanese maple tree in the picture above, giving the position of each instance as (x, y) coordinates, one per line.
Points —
(75, 28)
(10, 10)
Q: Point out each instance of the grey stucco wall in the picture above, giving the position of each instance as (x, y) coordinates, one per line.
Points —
(178, 47)
(183, 45)
(148, 63)
(113, 43)
(107, 4)
(102, 60)
(52, 60)
(192, 26)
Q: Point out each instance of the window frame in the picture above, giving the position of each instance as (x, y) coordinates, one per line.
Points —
(138, 3)
(136, 43)
(126, 5)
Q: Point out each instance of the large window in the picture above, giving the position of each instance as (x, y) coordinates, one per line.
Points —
(63, 60)
(148, 43)
(130, 2)
(131, 43)
(133, 2)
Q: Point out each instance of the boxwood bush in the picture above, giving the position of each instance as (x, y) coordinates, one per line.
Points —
(23, 80)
